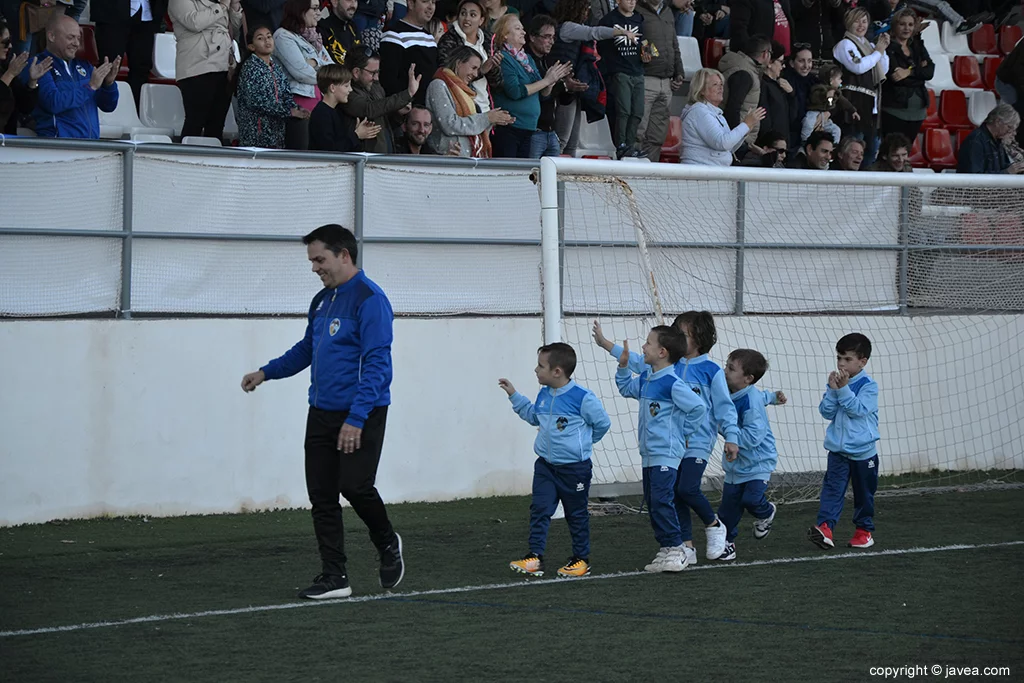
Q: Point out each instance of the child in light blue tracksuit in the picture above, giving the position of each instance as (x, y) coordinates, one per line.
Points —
(570, 420)
(851, 403)
(670, 414)
(747, 475)
(706, 380)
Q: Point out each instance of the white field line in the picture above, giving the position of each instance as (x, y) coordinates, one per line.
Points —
(495, 586)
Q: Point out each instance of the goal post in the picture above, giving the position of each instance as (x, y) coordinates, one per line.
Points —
(929, 266)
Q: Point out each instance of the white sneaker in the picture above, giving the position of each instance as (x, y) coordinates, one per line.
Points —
(655, 565)
(689, 556)
(716, 539)
(763, 527)
(667, 560)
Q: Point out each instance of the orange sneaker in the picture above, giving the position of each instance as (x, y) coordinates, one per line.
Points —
(821, 536)
(861, 539)
(531, 564)
(575, 566)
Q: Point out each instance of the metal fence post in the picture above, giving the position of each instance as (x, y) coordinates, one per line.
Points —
(741, 224)
(904, 257)
(128, 183)
(357, 210)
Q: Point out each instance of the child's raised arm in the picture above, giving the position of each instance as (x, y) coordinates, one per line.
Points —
(829, 405)
(774, 398)
(520, 404)
(629, 386)
(636, 360)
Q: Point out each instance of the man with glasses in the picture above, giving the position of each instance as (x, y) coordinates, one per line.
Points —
(663, 74)
(540, 40)
(368, 101)
(984, 150)
(769, 151)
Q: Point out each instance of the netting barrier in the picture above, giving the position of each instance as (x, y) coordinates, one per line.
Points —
(934, 276)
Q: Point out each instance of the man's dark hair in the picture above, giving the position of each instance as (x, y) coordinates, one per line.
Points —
(670, 339)
(892, 142)
(757, 44)
(560, 355)
(334, 238)
(358, 59)
(767, 138)
(539, 22)
(702, 328)
(751, 362)
(420, 107)
(855, 342)
(815, 139)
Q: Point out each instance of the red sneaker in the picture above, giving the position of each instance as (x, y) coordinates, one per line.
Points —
(861, 539)
(821, 536)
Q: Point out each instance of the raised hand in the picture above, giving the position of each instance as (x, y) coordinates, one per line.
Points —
(38, 69)
(493, 62)
(499, 117)
(99, 74)
(557, 72)
(883, 43)
(115, 68)
(414, 81)
(780, 398)
(833, 379)
(366, 129)
(599, 337)
(624, 356)
(786, 87)
(506, 386)
(842, 379)
(15, 68)
(755, 116)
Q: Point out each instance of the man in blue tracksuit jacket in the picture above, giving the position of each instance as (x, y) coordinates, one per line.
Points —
(850, 402)
(570, 420)
(72, 93)
(347, 347)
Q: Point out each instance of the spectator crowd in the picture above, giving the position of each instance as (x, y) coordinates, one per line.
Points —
(810, 84)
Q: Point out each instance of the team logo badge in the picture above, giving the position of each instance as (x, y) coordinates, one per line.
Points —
(579, 487)
(335, 326)
(81, 71)
(696, 390)
(561, 423)
(655, 408)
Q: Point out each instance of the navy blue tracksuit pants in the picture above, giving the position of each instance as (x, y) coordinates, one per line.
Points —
(570, 484)
(842, 471)
(659, 482)
(689, 495)
(736, 498)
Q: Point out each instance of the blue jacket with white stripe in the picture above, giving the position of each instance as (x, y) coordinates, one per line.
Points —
(571, 421)
(853, 411)
(670, 413)
(67, 106)
(707, 381)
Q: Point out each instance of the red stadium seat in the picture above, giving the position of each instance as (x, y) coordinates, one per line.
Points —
(953, 109)
(933, 120)
(88, 50)
(917, 159)
(988, 72)
(714, 48)
(966, 73)
(983, 41)
(961, 135)
(1009, 36)
(670, 150)
(938, 148)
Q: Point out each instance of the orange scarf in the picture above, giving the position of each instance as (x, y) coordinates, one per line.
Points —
(465, 105)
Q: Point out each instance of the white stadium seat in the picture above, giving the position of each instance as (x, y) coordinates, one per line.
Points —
(689, 51)
(124, 120)
(161, 107)
(165, 49)
(979, 105)
(201, 141)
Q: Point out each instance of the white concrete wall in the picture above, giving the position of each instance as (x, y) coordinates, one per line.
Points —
(147, 417)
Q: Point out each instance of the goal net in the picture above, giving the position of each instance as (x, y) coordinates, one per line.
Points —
(933, 274)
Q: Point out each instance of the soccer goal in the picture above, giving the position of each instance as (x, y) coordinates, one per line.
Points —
(929, 266)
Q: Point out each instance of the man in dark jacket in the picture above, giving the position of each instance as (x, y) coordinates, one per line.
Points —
(983, 151)
(338, 30)
(349, 325)
(369, 101)
(119, 32)
(663, 74)
(759, 18)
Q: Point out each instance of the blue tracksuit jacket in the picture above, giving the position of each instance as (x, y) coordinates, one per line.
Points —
(67, 106)
(706, 380)
(853, 411)
(670, 413)
(758, 457)
(571, 421)
(347, 347)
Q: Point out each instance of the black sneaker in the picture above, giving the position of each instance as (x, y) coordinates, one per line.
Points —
(392, 566)
(968, 26)
(327, 586)
(729, 554)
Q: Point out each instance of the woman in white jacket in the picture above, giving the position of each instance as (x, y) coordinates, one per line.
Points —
(203, 30)
(299, 48)
(706, 138)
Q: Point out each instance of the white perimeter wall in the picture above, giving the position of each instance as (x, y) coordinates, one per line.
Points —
(147, 417)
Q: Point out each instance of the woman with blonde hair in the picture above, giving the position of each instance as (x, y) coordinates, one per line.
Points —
(864, 68)
(706, 137)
